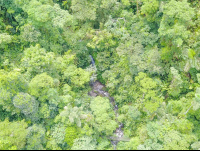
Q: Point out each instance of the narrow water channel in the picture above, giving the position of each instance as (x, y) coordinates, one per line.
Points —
(97, 90)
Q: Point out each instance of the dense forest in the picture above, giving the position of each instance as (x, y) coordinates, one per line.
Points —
(99, 74)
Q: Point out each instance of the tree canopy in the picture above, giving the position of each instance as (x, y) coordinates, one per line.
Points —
(143, 54)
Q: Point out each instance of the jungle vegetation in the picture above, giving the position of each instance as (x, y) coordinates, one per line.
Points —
(147, 54)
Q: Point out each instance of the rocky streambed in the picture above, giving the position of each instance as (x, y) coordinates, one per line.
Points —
(98, 90)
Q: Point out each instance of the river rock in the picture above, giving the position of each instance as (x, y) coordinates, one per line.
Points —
(92, 93)
(98, 86)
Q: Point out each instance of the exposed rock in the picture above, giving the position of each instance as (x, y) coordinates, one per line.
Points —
(98, 86)
(97, 89)
(114, 143)
(119, 133)
(92, 93)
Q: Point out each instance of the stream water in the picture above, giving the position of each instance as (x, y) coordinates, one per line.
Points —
(98, 90)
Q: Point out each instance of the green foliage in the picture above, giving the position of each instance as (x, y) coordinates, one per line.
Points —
(45, 20)
(103, 116)
(83, 9)
(146, 53)
(35, 137)
(70, 115)
(174, 140)
(149, 144)
(149, 8)
(13, 134)
(84, 143)
(153, 62)
(104, 60)
(174, 88)
(5, 39)
(40, 85)
(46, 13)
(27, 104)
(77, 76)
(193, 72)
(133, 144)
(101, 40)
(195, 146)
(148, 93)
(11, 83)
(71, 135)
(7, 145)
(42, 88)
(29, 33)
(51, 144)
(5, 99)
(104, 144)
(198, 78)
(196, 104)
(44, 111)
(36, 61)
(176, 19)
(167, 136)
(175, 107)
(58, 133)
(184, 126)
(129, 115)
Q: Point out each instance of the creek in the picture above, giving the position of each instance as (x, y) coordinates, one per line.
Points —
(98, 90)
